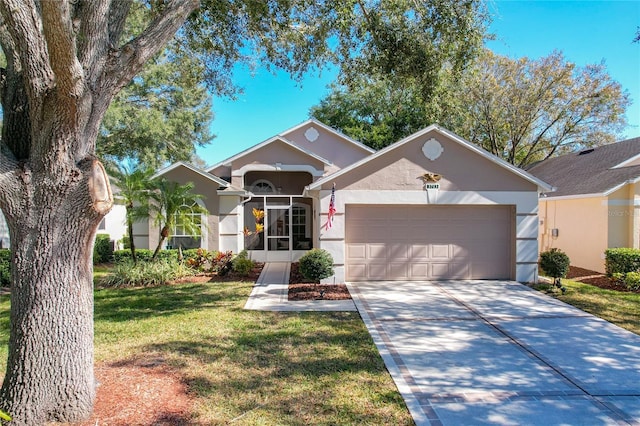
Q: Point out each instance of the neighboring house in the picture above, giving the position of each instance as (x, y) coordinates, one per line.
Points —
(596, 204)
(431, 206)
(394, 220)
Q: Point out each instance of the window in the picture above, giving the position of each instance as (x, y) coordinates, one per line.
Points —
(262, 186)
(184, 235)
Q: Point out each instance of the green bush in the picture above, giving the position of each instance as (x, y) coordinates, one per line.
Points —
(5, 267)
(555, 263)
(241, 265)
(621, 260)
(144, 255)
(145, 274)
(102, 249)
(316, 264)
(632, 280)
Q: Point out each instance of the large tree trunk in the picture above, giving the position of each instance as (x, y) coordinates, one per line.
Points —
(50, 363)
(64, 65)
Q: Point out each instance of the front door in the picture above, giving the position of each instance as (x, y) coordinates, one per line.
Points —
(278, 233)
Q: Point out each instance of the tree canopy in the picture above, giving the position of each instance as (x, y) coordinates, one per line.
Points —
(522, 110)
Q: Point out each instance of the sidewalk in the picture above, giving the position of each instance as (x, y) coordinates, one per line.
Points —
(270, 293)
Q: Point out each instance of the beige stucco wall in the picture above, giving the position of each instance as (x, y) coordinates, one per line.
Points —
(461, 170)
(582, 229)
(330, 146)
(589, 226)
(203, 186)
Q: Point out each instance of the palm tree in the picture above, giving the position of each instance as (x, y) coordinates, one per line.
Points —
(134, 187)
(175, 204)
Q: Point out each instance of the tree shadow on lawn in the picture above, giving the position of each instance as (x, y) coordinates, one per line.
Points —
(120, 305)
(297, 362)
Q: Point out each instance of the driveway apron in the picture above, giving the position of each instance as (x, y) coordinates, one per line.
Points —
(498, 352)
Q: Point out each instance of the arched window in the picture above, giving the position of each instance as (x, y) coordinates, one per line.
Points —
(262, 186)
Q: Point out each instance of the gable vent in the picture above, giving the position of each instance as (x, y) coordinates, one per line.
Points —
(586, 151)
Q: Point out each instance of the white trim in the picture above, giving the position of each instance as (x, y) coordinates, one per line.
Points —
(452, 136)
(277, 168)
(315, 122)
(227, 162)
(627, 161)
(572, 197)
(194, 169)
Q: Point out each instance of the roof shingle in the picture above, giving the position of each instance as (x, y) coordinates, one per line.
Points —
(590, 171)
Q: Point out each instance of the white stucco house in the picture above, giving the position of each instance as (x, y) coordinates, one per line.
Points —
(431, 206)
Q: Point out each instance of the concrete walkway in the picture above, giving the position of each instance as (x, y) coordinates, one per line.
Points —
(271, 290)
(500, 353)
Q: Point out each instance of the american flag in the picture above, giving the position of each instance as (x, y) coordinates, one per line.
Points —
(332, 208)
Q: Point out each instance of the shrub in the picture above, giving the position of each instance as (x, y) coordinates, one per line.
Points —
(555, 263)
(144, 255)
(145, 274)
(197, 258)
(221, 262)
(632, 280)
(242, 265)
(316, 264)
(102, 249)
(5, 267)
(621, 260)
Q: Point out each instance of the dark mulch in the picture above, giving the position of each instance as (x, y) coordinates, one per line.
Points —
(596, 279)
(302, 289)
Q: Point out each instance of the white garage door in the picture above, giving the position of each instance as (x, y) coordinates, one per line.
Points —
(429, 242)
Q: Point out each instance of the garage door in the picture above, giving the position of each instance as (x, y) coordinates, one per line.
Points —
(428, 242)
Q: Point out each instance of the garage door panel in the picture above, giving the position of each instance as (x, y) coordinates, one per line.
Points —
(357, 251)
(428, 242)
(399, 270)
(377, 271)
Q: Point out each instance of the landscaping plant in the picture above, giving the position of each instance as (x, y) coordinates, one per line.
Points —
(555, 263)
(316, 264)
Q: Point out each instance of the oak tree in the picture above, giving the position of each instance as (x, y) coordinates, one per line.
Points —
(66, 60)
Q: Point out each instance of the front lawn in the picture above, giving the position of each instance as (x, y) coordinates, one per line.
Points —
(621, 308)
(249, 367)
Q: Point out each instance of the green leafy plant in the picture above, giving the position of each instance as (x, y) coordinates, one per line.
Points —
(555, 263)
(242, 265)
(144, 255)
(145, 274)
(102, 249)
(621, 260)
(5, 267)
(316, 264)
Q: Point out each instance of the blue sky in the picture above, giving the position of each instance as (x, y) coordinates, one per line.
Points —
(585, 31)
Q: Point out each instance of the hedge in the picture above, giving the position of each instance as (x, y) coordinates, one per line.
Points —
(621, 261)
(102, 249)
(5, 267)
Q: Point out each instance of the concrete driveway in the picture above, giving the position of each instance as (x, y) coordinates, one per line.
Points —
(498, 352)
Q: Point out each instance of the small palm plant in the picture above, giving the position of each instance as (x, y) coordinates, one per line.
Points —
(134, 188)
(176, 204)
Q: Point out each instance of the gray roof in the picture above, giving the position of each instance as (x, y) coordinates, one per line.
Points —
(590, 171)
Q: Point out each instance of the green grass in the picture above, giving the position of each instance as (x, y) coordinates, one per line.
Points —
(253, 367)
(621, 308)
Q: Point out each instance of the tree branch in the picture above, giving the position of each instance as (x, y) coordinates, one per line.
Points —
(56, 20)
(24, 25)
(118, 13)
(93, 38)
(138, 51)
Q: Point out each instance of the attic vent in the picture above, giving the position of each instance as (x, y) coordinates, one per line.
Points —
(586, 151)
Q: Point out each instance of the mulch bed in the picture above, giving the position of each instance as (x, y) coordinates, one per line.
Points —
(596, 279)
(302, 289)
